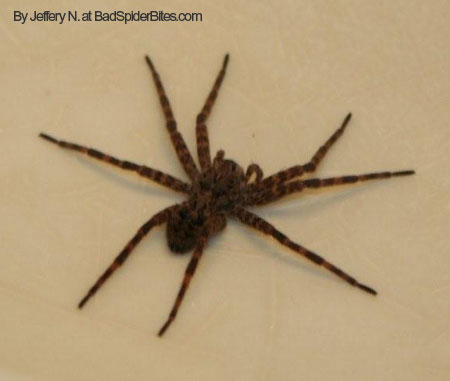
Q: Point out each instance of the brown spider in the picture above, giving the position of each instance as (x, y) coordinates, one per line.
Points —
(219, 189)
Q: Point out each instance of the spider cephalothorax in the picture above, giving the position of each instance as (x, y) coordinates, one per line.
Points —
(217, 190)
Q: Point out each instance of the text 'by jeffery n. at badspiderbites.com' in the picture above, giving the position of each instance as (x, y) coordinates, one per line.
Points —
(100, 16)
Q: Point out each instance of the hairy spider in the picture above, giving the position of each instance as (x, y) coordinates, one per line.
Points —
(220, 188)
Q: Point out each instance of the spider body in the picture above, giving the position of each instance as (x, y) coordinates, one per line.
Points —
(213, 194)
(219, 189)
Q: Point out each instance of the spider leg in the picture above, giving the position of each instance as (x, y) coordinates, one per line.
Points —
(150, 173)
(189, 273)
(280, 190)
(180, 146)
(254, 169)
(204, 155)
(158, 219)
(310, 166)
(263, 226)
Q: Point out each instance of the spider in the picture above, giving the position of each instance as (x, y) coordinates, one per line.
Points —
(218, 189)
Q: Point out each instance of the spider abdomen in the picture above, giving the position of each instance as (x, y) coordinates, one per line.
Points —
(183, 228)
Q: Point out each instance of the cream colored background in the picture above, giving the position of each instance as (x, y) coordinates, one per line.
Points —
(254, 310)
